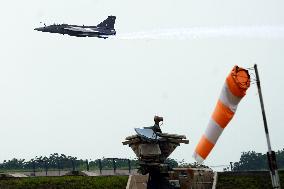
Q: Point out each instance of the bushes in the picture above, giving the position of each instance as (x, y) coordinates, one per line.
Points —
(245, 180)
(66, 182)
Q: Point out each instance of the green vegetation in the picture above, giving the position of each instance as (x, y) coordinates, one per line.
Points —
(56, 161)
(71, 182)
(246, 172)
(63, 162)
(245, 180)
(257, 161)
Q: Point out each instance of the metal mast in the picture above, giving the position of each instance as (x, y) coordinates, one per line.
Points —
(270, 154)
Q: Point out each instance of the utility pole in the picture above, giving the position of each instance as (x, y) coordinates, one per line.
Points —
(114, 165)
(231, 165)
(129, 165)
(270, 154)
(100, 166)
(73, 165)
(58, 167)
(45, 167)
(87, 163)
(34, 169)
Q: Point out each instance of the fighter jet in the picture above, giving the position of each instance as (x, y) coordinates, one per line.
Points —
(103, 30)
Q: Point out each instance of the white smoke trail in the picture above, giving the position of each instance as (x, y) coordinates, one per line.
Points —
(270, 32)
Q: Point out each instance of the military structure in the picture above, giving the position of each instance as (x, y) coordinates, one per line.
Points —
(103, 30)
(153, 147)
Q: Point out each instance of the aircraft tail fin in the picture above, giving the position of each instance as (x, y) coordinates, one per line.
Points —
(108, 23)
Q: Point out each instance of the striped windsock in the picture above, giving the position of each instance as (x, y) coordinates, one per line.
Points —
(234, 89)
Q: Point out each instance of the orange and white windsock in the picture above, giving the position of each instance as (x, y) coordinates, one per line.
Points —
(234, 89)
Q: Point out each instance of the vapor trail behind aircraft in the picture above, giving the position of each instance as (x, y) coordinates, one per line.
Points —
(270, 32)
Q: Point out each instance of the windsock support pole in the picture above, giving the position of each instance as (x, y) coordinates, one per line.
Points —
(270, 154)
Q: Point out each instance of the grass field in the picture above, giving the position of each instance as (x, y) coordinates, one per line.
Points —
(246, 180)
(66, 182)
(226, 180)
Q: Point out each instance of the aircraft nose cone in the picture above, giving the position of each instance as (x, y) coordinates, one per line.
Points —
(38, 29)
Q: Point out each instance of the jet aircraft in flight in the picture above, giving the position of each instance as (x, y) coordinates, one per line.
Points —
(103, 30)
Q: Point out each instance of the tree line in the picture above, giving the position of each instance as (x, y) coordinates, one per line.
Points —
(62, 161)
(252, 160)
(57, 161)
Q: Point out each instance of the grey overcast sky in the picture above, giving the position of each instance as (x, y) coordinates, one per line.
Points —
(83, 96)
